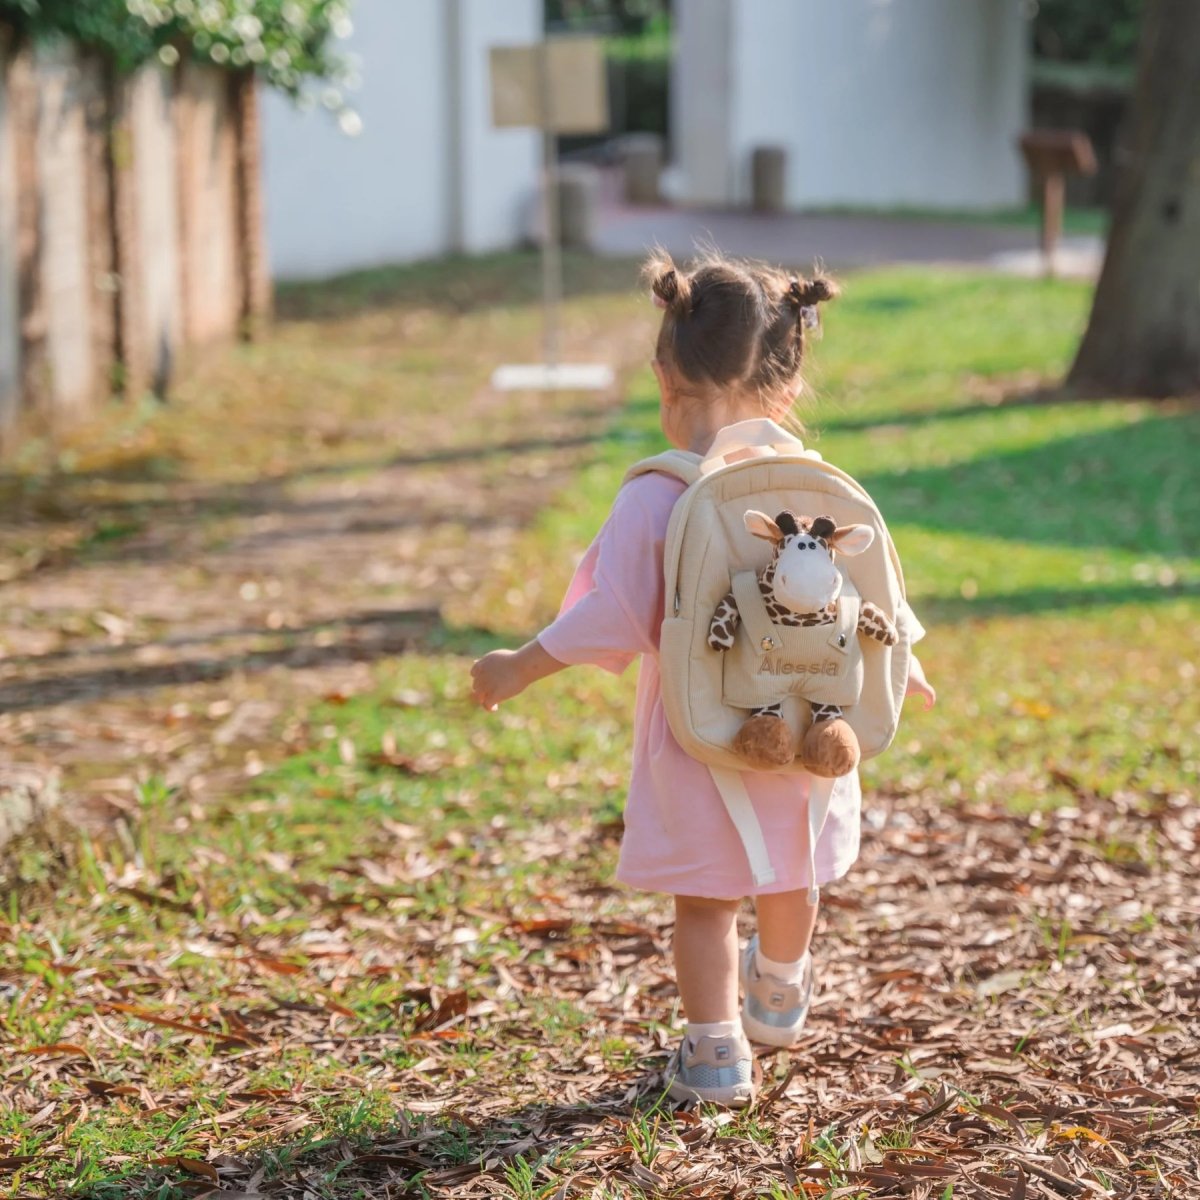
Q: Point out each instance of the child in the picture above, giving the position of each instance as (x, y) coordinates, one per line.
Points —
(729, 350)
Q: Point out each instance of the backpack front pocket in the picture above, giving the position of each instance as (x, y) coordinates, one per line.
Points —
(815, 662)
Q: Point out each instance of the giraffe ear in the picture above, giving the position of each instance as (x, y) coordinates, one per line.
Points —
(852, 539)
(761, 526)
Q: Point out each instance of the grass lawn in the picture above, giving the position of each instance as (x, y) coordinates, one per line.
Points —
(396, 966)
(1076, 221)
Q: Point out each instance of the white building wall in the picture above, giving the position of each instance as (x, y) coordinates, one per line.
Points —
(877, 102)
(701, 85)
(335, 202)
(499, 168)
(427, 174)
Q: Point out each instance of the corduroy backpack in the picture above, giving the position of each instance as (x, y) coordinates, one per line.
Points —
(757, 465)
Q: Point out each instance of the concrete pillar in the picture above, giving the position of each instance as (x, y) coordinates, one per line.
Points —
(252, 238)
(702, 99)
(578, 187)
(642, 156)
(207, 188)
(150, 257)
(64, 262)
(768, 178)
(10, 317)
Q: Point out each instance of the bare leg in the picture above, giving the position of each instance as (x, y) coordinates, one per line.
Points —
(706, 957)
(785, 925)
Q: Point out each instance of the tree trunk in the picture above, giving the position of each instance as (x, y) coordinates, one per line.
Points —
(251, 233)
(1143, 338)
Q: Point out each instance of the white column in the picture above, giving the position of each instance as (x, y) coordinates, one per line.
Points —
(10, 319)
(499, 169)
(67, 282)
(702, 92)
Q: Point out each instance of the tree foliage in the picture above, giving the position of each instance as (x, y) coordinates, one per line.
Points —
(1088, 31)
(288, 42)
(625, 17)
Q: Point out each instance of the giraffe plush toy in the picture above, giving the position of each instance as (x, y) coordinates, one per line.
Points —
(800, 587)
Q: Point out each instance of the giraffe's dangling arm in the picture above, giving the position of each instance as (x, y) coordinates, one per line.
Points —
(724, 624)
(873, 622)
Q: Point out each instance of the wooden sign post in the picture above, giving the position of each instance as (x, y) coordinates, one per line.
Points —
(1052, 154)
(557, 86)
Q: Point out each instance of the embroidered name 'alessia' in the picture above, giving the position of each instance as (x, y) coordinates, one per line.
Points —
(775, 667)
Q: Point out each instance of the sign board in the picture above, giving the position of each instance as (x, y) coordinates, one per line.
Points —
(1068, 151)
(557, 86)
(1052, 155)
(571, 96)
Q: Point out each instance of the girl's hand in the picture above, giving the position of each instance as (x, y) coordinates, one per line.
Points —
(918, 685)
(503, 674)
(497, 677)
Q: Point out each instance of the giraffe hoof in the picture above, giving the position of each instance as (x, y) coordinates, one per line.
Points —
(764, 742)
(830, 749)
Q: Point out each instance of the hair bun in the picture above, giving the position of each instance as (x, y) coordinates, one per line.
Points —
(813, 291)
(670, 289)
(666, 286)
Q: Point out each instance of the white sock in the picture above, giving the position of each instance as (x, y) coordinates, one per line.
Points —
(789, 972)
(697, 1029)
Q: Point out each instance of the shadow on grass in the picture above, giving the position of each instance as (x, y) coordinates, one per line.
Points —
(1130, 488)
(365, 636)
(1039, 397)
(452, 285)
(101, 670)
(953, 610)
(140, 528)
(417, 1156)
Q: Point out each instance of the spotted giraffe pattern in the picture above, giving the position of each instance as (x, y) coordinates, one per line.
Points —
(872, 622)
(722, 629)
(820, 712)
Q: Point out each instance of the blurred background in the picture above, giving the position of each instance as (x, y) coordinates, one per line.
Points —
(262, 502)
(162, 164)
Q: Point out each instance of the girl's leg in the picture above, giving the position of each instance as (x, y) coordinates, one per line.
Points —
(785, 925)
(714, 1062)
(778, 973)
(706, 958)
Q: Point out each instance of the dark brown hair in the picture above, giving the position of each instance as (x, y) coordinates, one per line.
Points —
(735, 324)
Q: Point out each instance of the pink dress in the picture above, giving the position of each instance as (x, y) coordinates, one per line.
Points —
(678, 836)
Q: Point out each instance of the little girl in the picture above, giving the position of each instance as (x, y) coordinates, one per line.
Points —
(729, 350)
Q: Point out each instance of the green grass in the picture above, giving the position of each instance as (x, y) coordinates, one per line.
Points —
(1076, 221)
(1051, 547)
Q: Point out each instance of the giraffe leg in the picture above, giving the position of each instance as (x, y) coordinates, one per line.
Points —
(830, 747)
(764, 740)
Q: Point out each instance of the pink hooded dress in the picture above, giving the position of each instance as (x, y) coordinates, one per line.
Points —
(678, 835)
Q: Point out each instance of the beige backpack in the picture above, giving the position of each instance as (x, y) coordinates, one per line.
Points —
(706, 693)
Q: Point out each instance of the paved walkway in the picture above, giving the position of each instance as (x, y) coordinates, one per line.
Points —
(837, 240)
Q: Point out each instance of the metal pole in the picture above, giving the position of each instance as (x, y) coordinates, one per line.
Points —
(552, 277)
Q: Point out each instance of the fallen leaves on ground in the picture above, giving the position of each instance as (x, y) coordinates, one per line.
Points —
(1000, 1008)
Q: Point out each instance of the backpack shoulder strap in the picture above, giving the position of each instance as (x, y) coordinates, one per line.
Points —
(679, 464)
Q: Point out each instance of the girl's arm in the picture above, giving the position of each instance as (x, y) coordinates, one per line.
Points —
(503, 674)
(918, 685)
(612, 609)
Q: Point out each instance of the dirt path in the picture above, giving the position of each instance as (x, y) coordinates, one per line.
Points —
(172, 601)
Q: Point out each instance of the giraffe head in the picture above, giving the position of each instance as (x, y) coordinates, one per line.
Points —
(806, 578)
